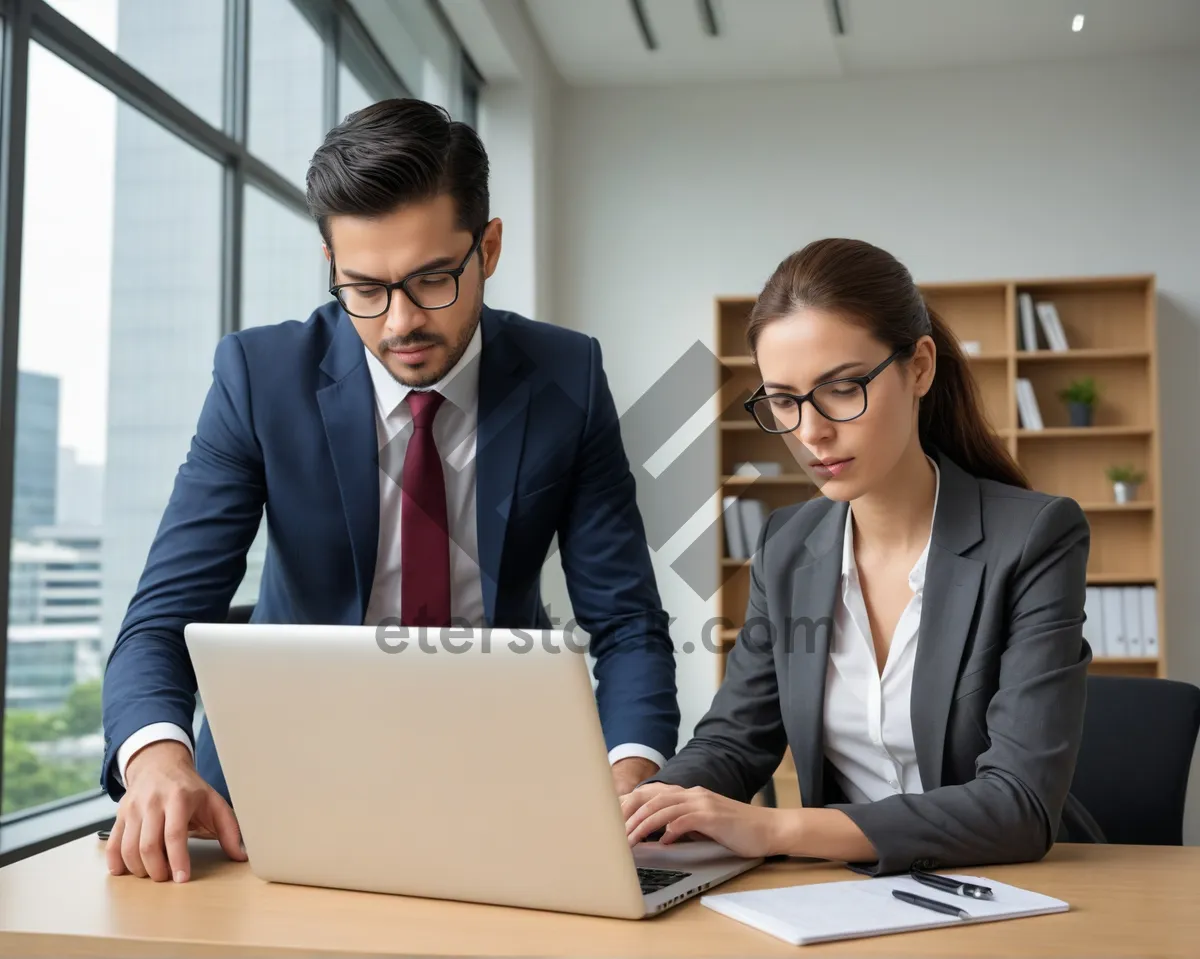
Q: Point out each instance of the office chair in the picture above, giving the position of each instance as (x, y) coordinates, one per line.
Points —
(1135, 756)
(240, 614)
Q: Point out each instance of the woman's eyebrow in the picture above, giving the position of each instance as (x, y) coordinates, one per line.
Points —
(827, 375)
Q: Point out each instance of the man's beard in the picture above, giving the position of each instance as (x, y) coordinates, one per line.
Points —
(426, 378)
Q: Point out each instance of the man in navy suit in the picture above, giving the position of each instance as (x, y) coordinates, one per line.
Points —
(416, 452)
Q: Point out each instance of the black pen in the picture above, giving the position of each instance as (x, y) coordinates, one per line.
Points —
(914, 899)
(955, 886)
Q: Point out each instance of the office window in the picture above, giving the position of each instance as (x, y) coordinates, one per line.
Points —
(287, 103)
(284, 273)
(284, 277)
(180, 46)
(123, 297)
(352, 94)
(470, 98)
(120, 295)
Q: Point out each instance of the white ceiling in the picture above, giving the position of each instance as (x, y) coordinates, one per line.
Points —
(597, 42)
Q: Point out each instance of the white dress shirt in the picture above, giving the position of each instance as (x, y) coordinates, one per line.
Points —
(867, 717)
(454, 429)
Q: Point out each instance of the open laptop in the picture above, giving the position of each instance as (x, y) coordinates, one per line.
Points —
(460, 764)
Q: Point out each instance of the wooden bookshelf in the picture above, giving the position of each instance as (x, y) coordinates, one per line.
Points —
(1110, 326)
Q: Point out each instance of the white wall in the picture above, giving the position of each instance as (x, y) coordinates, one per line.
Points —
(668, 197)
(516, 111)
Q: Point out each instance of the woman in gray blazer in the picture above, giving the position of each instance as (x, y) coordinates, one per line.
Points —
(914, 634)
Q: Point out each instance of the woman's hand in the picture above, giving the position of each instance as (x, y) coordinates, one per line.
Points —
(743, 829)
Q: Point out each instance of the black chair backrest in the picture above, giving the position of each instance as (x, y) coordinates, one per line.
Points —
(1134, 759)
(240, 614)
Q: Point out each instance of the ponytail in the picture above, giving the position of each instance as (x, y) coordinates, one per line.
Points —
(952, 418)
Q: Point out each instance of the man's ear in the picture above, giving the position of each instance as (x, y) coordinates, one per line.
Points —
(325, 250)
(490, 246)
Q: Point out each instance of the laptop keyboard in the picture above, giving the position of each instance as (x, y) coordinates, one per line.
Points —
(653, 880)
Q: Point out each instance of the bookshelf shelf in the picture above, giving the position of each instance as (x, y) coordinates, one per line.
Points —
(794, 479)
(1052, 356)
(1081, 432)
(1110, 329)
(1001, 356)
(1122, 579)
(1134, 507)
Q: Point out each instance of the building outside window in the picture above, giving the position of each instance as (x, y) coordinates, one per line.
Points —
(124, 287)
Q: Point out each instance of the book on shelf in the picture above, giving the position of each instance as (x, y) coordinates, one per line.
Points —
(1149, 605)
(1052, 326)
(735, 541)
(1121, 620)
(1113, 635)
(754, 516)
(1027, 405)
(744, 520)
(1131, 614)
(1044, 315)
(1093, 620)
(1027, 325)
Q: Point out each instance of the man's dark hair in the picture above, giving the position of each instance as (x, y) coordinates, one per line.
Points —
(396, 152)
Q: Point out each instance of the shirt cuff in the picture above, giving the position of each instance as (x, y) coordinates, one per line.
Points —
(153, 733)
(627, 750)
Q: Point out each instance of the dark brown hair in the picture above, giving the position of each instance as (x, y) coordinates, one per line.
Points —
(869, 286)
(395, 152)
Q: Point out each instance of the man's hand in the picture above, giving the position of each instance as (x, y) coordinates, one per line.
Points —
(627, 773)
(744, 829)
(165, 802)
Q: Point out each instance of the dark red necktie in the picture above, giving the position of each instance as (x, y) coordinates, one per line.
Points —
(424, 536)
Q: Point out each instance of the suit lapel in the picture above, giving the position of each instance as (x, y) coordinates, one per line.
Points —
(504, 394)
(952, 583)
(347, 408)
(815, 586)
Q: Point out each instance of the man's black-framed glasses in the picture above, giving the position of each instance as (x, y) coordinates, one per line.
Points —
(840, 400)
(427, 289)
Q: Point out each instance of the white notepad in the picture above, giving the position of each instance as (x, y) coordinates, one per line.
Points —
(856, 908)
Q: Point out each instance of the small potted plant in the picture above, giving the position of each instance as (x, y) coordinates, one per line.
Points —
(1125, 480)
(1080, 397)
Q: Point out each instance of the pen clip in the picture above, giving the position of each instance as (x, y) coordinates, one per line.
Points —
(946, 884)
(933, 879)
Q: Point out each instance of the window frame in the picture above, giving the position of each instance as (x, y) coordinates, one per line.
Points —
(22, 22)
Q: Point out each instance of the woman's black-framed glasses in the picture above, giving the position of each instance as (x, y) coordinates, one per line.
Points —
(427, 289)
(840, 400)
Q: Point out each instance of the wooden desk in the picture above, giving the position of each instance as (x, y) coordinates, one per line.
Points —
(1125, 901)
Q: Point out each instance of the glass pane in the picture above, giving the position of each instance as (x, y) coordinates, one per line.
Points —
(352, 95)
(287, 103)
(419, 49)
(119, 317)
(180, 46)
(284, 277)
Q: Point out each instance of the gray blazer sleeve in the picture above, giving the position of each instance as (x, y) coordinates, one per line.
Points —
(1010, 811)
(740, 742)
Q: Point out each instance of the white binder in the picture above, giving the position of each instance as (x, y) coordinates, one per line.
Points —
(1114, 622)
(735, 538)
(1149, 621)
(1093, 625)
(1131, 609)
